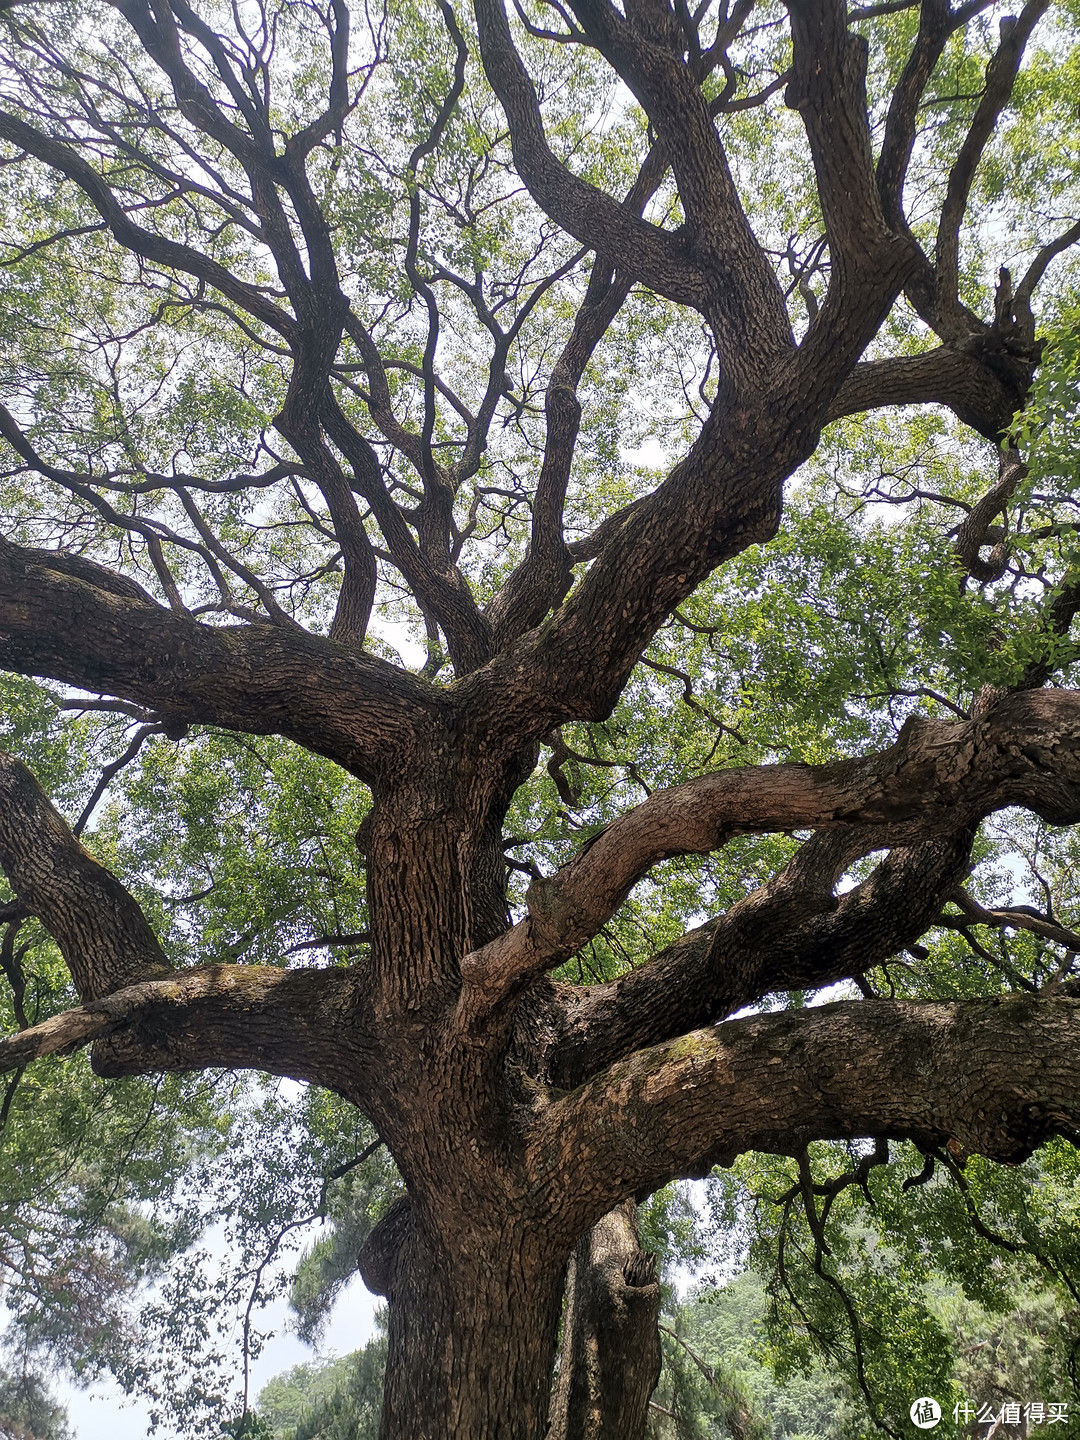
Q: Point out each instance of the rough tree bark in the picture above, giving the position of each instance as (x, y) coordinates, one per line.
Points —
(522, 1112)
(609, 1359)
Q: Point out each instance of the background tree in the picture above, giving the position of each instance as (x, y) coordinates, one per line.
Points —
(317, 316)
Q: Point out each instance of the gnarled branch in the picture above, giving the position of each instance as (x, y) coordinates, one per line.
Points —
(997, 1076)
(301, 1023)
(662, 260)
(938, 776)
(792, 933)
(103, 935)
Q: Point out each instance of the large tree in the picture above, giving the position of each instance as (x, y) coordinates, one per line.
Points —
(315, 312)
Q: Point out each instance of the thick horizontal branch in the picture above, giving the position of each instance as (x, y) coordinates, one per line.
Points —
(793, 933)
(998, 1076)
(65, 618)
(60, 1035)
(983, 389)
(939, 776)
(103, 935)
(300, 1023)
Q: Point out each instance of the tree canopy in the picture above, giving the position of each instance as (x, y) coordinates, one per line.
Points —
(536, 540)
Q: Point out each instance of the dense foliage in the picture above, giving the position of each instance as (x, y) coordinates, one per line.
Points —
(327, 351)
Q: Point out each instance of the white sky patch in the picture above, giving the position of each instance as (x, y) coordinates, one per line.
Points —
(398, 634)
(650, 454)
(104, 1412)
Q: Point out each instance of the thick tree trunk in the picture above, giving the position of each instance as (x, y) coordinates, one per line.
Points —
(473, 1273)
(609, 1361)
(471, 1339)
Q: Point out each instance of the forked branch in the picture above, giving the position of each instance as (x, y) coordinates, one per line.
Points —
(1000, 76)
(659, 258)
(936, 778)
(69, 619)
(793, 933)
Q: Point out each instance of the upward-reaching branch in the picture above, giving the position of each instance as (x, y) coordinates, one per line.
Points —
(936, 23)
(745, 305)
(828, 89)
(870, 261)
(440, 590)
(1000, 77)
(660, 259)
(102, 933)
(938, 777)
(307, 1024)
